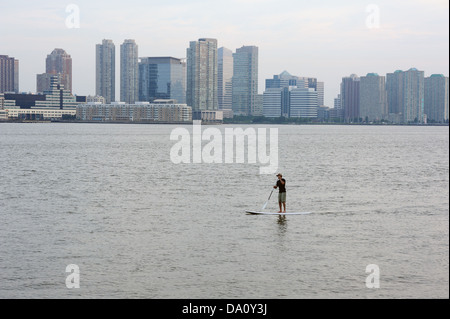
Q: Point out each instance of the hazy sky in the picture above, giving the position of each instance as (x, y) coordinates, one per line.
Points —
(323, 38)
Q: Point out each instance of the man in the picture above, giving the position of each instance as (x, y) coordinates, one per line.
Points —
(281, 184)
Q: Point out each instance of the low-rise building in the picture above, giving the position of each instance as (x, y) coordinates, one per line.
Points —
(138, 112)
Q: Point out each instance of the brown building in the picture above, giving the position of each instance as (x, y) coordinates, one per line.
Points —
(9, 74)
(57, 63)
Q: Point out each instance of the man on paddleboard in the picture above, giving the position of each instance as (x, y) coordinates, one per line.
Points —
(281, 185)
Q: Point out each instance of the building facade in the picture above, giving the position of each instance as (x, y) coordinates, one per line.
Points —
(9, 74)
(57, 97)
(245, 80)
(129, 72)
(373, 98)
(162, 78)
(105, 70)
(406, 95)
(303, 103)
(436, 98)
(225, 78)
(350, 98)
(138, 112)
(202, 75)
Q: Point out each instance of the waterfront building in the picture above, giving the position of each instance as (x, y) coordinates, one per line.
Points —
(373, 98)
(406, 95)
(202, 75)
(245, 80)
(137, 112)
(436, 98)
(303, 103)
(129, 72)
(105, 70)
(162, 78)
(57, 96)
(350, 98)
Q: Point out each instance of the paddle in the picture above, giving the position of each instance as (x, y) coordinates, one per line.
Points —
(265, 205)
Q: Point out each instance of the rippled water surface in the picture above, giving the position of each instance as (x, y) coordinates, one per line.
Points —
(109, 199)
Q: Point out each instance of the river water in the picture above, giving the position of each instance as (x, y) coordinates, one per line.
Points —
(108, 199)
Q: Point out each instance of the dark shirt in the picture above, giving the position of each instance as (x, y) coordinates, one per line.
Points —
(280, 186)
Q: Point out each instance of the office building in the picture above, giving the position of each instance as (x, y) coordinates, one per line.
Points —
(105, 71)
(162, 78)
(373, 98)
(303, 103)
(57, 97)
(245, 80)
(9, 74)
(202, 75)
(225, 78)
(436, 98)
(129, 72)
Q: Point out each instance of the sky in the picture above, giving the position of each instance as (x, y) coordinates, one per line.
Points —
(323, 38)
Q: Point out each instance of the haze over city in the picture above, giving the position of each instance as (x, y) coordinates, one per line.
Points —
(326, 39)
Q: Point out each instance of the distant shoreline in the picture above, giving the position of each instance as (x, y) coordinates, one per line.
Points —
(227, 123)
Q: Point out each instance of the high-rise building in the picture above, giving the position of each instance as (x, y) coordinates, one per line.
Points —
(129, 72)
(405, 94)
(202, 75)
(320, 89)
(350, 98)
(105, 79)
(373, 99)
(225, 77)
(436, 98)
(245, 80)
(9, 74)
(59, 62)
(162, 78)
(394, 91)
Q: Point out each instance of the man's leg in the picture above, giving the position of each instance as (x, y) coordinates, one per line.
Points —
(284, 205)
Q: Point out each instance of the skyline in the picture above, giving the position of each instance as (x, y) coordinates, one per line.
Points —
(327, 41)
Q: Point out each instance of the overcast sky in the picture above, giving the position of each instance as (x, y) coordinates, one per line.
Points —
(323, 38)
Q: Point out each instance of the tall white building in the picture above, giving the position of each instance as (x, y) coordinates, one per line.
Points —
(245, 80)
(225, 77)
(105, 71)
(202, 75)
(129, 72)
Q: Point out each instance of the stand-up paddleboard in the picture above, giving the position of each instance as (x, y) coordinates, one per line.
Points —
(280, 214)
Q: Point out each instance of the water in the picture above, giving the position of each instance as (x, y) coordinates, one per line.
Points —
(108, 199)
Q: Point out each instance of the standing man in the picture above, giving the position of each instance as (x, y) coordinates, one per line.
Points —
(281, 184)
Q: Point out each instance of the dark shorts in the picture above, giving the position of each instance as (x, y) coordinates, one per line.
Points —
(282, 197)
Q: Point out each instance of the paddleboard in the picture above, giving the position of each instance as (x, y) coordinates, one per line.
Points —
(280, 214)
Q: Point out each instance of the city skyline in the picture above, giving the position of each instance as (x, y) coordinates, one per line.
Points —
(333, 39)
